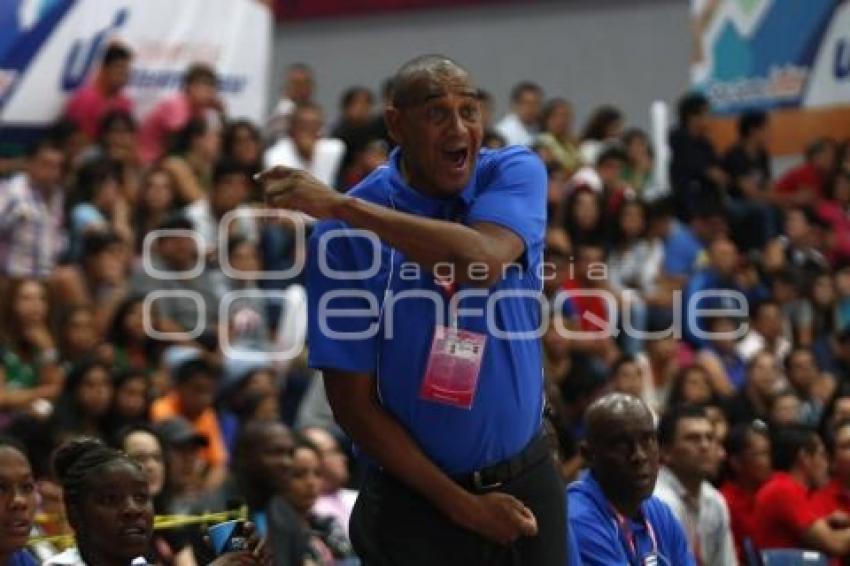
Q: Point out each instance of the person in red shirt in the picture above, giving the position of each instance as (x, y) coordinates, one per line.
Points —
(833, 500)
(748, 457)
(103, 94)
(804, 185)
(784, 515)
(172, 114)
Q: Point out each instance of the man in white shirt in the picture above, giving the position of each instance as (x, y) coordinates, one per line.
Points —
(690, 454)
(765, 333)
(298, 87)
(521, 125)
(306, 149)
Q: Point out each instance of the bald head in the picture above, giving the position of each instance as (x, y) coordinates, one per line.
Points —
(425, 77)
(612, 410)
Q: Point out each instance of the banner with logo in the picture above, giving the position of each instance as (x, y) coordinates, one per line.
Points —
(770, 54)
(48, 48)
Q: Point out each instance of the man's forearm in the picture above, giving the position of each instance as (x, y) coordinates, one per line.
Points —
(426, 241)
(385, 440)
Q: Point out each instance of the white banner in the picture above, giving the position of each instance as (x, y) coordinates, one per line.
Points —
(50, 47)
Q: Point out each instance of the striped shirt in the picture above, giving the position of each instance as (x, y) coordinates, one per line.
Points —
(31, 232)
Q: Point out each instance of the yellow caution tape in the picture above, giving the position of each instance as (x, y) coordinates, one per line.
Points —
(160, 523)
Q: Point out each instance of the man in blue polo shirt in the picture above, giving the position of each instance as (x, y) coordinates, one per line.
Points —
(428, 333)
(615, 519)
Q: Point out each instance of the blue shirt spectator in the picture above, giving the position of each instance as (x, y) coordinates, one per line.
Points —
(601, 539)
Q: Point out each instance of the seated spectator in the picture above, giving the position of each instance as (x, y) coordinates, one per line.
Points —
(720, 357)
(17, 513)
(335, 500)
(785, 517)
(747, 164)
(519, 126)
(117, 143)
(85, 402)
(31, 231)
(799, 250)
(626, 377)
(696, 174)
(147, 449)
(306, 149)
(691, 386)
(195, 384)
(712, 288)
(613, 515)
(299, 85)
(31, 378)
(832, 499)
(557, 134)
(194, 154)
(108, 504)
(229, 193)
(131, 400)
(103, 93)
(762, 383)
(182, 447)
(327, 541)
(248, 316)
(766, 333)
(813, 387)
(603, 177)
(77, 336)
(637, 173)
(175, 253)
(131, 346)
(583, 217)
(686, 439)
(354, 127)
(157, 201)
(98, 206)
(172, 114)
(805, 184)
(243, 144)
(261, 468)
(749, 467)
(785, 409)
(605, 125)
(834, 210)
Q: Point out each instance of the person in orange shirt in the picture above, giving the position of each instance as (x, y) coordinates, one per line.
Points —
(192, 398)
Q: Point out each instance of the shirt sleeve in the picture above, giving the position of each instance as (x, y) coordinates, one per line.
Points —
(343, 311)
(515, 196)
(675, 541)
(794, 510)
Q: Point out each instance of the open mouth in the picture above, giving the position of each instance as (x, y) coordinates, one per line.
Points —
(134, 532)
(457, 157)
(19, 528)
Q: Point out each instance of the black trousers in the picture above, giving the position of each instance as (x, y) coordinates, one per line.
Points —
(393, 526)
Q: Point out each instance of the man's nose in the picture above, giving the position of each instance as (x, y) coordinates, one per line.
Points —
(20, 499)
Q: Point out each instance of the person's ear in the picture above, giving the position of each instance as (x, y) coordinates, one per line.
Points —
(392, 119)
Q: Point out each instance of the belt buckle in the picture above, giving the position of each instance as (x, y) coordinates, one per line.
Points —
(479, 484)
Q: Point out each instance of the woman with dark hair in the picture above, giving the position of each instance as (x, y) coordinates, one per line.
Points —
(97, 204)
(243, 144)
(30, 375)
(157, 201)
(637, 172)
(77, 334)
(148, 449)
(131, 399)
(117, 142)
(85, 403)
(194, 155)
(556, 127)
(583, 217)
(834, 209)
(605, 124)
(328, 542)
(692, 386)
(133, 348)
(109, 506)
(18, 505)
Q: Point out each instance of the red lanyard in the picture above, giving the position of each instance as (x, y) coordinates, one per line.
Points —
(628, 537)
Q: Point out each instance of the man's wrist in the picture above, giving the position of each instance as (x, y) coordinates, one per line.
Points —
(342, 208)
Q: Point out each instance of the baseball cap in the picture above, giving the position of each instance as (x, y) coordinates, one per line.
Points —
(177, 431)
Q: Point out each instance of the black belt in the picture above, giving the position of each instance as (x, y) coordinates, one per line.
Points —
(503, 472)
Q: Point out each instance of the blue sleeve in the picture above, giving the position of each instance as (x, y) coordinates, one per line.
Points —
(514, 195)
(337, 340)
(573, 551)
(678, 258)
(596, 541)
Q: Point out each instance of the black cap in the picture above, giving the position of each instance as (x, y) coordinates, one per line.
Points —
(177, 431)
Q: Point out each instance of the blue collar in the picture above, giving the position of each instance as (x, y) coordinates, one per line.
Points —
(407, 199)
(598, 496)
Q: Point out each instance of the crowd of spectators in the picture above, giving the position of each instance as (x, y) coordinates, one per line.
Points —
(133, 253)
